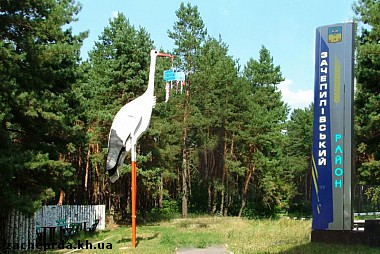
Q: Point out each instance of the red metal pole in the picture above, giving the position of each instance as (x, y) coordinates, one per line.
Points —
(134, 190)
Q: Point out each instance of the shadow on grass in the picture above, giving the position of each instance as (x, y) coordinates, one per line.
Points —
(316, 248)
(151, 219)
(138, 239)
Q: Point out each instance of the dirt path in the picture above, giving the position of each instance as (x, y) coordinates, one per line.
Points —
(209, 250)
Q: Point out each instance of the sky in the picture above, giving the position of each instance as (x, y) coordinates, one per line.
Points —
(285, 27)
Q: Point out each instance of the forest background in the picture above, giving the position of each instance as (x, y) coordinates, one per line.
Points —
(227, 145)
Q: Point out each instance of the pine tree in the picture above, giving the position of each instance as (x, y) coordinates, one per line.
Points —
(39, 66)
(212, 86)
(367, 97)
(298, 157)
(262, 138)
(188, 34)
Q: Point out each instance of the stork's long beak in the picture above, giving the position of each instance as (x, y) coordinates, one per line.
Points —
(165, 55)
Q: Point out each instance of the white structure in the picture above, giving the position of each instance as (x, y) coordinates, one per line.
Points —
(48, 214)
(130, 122)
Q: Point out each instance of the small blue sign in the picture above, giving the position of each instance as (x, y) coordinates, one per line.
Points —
(169, 75)
(179, 76)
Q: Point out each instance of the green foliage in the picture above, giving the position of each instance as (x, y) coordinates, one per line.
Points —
(260, 211)
(39, 66)
(170, 207)
(263, 72)
(118, 74)
(262, 140)
(367, 97)
(298, 160)
(220, 145)
(373, 194)
(188, 33)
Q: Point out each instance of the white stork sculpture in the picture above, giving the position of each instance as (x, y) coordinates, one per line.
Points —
(130, 123)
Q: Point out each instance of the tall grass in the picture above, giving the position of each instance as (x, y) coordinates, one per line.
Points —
(239, 236)
(262, 236)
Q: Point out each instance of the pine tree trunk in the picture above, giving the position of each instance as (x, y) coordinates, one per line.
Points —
(79, 189)
(226, 198)
(96, 184)
(87, 167)
(184, 157)
(245, 192)
(214, 200)
(161, 197)
(184, 189)
(308, 184)
(104, 191)
(228, 204)
(97, 179)
(188, 182)
(224, 174)
(209, 200)
(61, 197)
(222, 198)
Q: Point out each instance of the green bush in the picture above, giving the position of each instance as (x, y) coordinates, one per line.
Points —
(170, 207)
(252, 211)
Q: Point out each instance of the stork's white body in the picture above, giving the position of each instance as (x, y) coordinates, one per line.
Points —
(130, 123)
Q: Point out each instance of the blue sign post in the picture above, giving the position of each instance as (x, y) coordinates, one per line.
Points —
(332, 155)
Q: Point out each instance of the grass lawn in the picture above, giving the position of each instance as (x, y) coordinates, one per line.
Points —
(239, 235)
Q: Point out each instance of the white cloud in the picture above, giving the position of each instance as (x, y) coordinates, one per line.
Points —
(295, 99)
(115, 14)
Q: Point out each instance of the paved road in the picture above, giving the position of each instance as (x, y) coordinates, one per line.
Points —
(210, 250)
